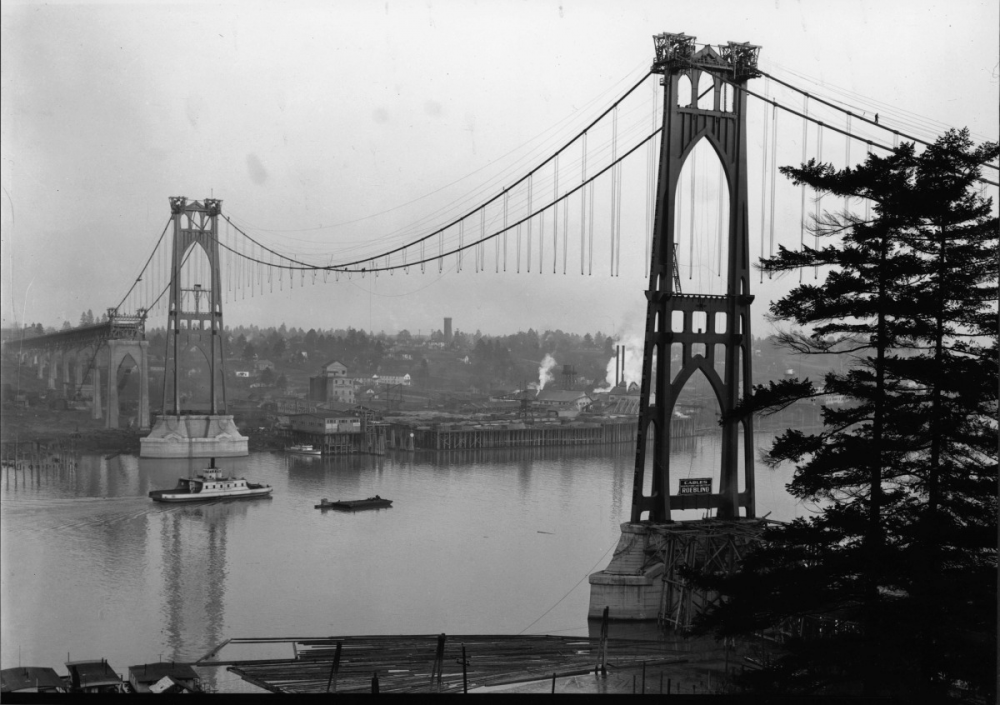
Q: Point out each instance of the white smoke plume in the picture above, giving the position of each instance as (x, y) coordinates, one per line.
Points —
(633, 363)
(545, 371)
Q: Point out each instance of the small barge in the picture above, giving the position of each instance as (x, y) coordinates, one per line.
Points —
(375, 502)
(211, 484)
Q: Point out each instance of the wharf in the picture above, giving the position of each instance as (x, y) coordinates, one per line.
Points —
(432, 663)
(459, 436)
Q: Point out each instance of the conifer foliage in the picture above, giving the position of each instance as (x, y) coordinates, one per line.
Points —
(895, 575)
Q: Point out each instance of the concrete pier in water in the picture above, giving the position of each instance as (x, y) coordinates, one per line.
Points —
(194, 436)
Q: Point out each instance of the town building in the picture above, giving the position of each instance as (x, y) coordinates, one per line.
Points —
(331, 432)
(563, 399)
(391, 380)
(332, 384)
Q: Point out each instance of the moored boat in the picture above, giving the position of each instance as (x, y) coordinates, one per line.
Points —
(375, 502)
(211, 484)
(304, 449)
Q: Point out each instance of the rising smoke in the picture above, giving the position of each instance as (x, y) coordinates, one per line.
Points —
(633, 363)
(545, 371)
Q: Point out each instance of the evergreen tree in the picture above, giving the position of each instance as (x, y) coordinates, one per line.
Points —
(901, 558)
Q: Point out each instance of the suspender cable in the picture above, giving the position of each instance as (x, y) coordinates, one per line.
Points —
(555, 215)
(868, 203)
(694, 175)
(819, 195)
(590, 232)
(802, 205)
(461, 234)
(854, 115)
(837, 129)
(650, 182)
(505, 231)
(528, 252)
(614, 183)
(565, 233)
(618, 225)
(721, 227)
(763, 177)
(583, 205)
(518, 251)
(847, 156)
(541, 242)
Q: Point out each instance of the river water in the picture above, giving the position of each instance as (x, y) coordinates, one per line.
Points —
(494, 541)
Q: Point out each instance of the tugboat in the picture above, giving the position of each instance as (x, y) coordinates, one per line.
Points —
(375, 502)
(209, 485)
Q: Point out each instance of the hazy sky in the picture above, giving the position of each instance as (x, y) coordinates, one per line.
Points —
(326, 126)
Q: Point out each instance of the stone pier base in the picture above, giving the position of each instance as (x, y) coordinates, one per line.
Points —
(630, 586)
(644, 578)
(194, 436)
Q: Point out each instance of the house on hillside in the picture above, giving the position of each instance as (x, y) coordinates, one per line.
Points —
(391, 380)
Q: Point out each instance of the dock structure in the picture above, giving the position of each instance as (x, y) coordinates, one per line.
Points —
(456, 436)
(434, 663)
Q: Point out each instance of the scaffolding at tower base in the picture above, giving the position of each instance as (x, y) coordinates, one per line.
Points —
(709, 546)
(645, 579)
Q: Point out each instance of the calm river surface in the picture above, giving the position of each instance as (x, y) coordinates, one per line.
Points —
(496, 541)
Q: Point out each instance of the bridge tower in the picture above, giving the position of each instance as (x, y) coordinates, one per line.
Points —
(194, 323)
(650, 539)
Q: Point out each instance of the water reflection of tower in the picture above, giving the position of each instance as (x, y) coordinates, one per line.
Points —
(194, 571)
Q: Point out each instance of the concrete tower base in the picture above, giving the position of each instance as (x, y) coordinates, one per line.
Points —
(629, 586)
(194, 436)
(643, 580)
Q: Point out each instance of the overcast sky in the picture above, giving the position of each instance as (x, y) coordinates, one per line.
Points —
(327, 126)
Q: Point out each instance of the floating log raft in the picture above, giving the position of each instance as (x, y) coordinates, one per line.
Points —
(411, 664)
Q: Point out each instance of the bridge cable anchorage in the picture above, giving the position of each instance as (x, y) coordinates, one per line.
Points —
(870, 143)
(850, 114)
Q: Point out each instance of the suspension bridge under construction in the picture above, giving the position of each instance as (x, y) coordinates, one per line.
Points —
(684, 123)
